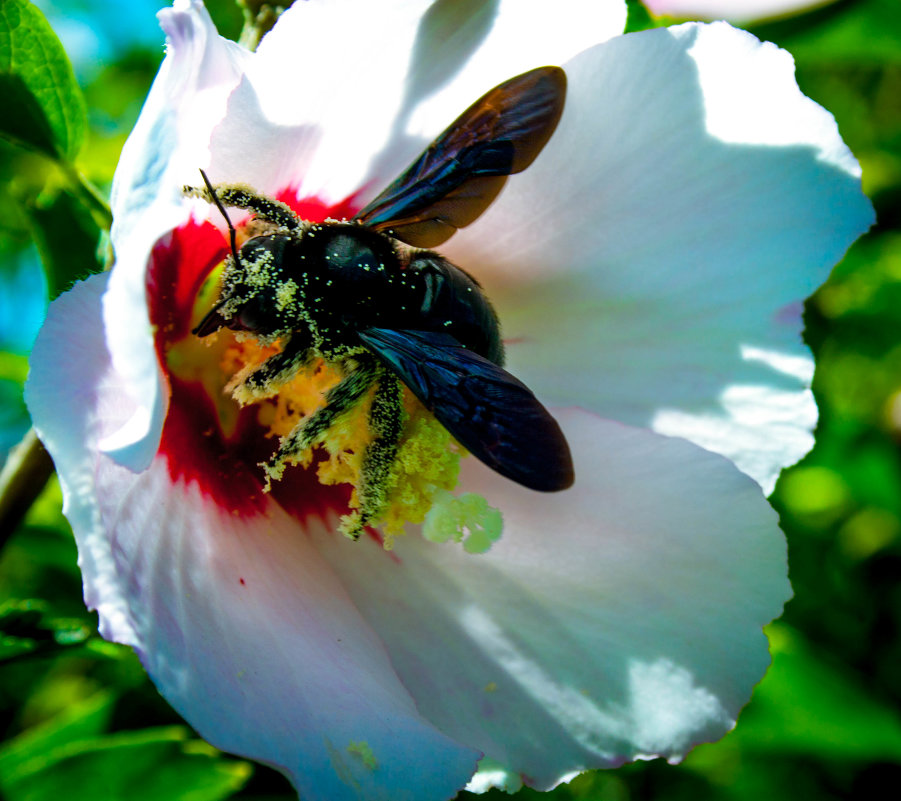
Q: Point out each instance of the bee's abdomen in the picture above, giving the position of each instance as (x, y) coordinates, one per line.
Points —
(451, 301)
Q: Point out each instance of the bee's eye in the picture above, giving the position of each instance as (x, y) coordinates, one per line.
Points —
(256, 316)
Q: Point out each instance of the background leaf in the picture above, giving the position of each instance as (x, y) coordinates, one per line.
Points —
(67, 236)
(160, 764)
(853, 31)
(87, 718)
(37, 81)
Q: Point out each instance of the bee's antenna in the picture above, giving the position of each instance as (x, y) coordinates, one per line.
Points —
(232, 234)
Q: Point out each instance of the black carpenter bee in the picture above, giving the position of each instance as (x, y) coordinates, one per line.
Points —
(366, 297)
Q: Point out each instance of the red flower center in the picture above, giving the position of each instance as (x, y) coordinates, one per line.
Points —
(207, 438)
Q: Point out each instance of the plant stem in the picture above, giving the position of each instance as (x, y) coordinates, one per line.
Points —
(259, 17)
(27, 469)
(89, 195)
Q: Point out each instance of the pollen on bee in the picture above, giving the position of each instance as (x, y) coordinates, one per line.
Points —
(286, 294)
(420, 475)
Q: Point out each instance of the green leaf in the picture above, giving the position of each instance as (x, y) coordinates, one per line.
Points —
(43, 105)
(638, 18)
(26, 627)
(805, 705)
(160, 764)
(87, 718)
(67, 237)
(13, 367)
(850, 30)
(14, 419)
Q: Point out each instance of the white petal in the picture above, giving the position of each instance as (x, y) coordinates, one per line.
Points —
(358, 78)
(239, 621)
(75, 400)
(736, 10)
(690, 199)
(619, 619)
(251, 637)
(168, 145)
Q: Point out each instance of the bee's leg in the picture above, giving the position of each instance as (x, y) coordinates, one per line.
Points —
(386, 420)
(243, 197)
(338, 400)
(266, 379)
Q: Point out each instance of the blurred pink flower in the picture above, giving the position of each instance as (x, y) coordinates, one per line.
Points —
(732, 10)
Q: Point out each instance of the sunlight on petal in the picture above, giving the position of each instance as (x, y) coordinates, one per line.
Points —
(761, 428)
(758, 102)
(667, 707)
(576, 712)
(800, 367)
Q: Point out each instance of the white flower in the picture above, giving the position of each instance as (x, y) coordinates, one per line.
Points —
(648, 270)
(734, 10)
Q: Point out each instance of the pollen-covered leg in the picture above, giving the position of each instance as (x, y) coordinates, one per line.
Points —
(266, 379)
(340, 399)
(243, 197)
(386, 421)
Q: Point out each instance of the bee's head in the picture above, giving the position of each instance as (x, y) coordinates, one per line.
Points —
(256, 295)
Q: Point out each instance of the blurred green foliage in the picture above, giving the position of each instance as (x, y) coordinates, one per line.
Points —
(79, 716)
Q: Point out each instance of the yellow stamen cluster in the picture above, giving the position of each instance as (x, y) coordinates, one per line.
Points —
(425, 469)
(427, 462)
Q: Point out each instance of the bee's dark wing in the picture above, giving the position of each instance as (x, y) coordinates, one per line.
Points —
(462, 171)
(490, 412)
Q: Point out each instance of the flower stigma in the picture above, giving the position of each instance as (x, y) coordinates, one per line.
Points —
(452, 517)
